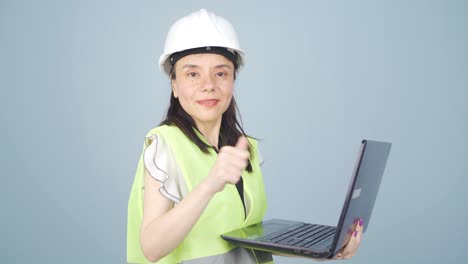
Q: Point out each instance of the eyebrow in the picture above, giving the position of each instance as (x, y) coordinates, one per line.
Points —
(189, 66)
(223, 66)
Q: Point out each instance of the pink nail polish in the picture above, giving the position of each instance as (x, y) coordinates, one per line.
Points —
(361, 222)
(355, 233)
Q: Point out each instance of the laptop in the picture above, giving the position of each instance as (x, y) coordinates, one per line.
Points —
(322, 241)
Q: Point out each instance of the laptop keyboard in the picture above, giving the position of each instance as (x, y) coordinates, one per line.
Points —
(301, 235)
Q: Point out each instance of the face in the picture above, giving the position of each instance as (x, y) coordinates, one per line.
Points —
(204, 85)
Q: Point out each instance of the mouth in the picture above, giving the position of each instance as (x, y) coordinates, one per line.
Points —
(208, 102)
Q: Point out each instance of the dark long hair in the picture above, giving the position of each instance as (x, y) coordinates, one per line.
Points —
(230, 131)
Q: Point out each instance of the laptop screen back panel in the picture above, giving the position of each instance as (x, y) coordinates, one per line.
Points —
(361, 195)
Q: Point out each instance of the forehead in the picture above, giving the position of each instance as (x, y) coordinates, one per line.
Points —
(203, 60)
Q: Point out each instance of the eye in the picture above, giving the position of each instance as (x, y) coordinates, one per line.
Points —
(221, 74)
(192, 74)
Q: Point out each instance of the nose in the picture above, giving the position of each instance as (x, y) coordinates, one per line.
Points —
(208, 84)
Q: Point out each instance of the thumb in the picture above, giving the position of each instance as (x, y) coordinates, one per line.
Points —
(242, 143)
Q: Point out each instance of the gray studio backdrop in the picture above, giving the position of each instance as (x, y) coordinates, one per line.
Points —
(80, 87)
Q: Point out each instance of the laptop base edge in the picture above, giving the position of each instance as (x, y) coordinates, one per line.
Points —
(273, 248)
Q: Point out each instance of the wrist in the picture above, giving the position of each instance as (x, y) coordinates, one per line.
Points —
(206, 188)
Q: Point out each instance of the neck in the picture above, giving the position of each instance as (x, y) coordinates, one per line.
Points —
(210, 130)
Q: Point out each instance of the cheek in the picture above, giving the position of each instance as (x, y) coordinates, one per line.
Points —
(182, 90)
(184, 98)
(227, 89)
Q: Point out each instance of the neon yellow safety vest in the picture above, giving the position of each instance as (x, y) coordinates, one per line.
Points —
(225, 211)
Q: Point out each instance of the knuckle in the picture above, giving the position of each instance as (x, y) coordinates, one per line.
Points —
(221, 154)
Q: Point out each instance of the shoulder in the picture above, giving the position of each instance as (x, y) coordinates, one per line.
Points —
(162, 129)
(255, 149)
(163, 132)
(252, 141)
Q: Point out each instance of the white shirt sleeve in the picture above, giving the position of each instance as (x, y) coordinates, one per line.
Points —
(161, 165)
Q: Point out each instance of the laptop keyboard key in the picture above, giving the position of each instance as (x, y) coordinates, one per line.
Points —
(277, 234)
(323, 244)
(301, 235)
(329, 233)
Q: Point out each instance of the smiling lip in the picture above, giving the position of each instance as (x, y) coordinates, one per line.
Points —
(208, 102)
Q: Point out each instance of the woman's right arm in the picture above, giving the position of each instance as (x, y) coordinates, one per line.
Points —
(158, 236)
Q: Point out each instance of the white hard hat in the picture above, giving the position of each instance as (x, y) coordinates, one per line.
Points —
(198, 30)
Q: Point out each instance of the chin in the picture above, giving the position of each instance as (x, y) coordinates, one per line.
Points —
(208, 118)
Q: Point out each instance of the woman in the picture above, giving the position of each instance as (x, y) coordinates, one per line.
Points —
(199, 175)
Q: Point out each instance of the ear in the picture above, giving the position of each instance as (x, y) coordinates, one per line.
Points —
(174, 88)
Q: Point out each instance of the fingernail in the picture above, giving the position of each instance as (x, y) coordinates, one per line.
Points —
(361, 222)
(355, 233)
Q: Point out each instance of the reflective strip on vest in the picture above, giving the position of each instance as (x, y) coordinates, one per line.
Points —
(235, 256)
